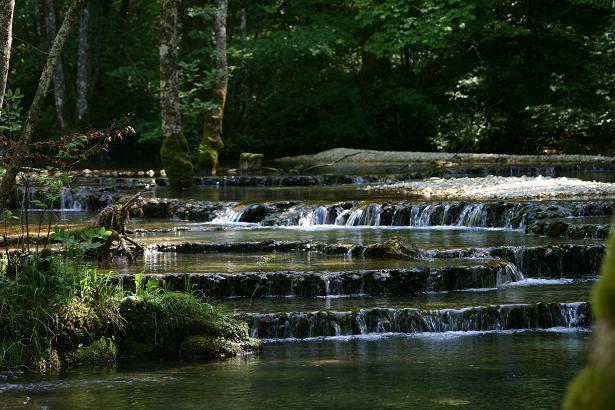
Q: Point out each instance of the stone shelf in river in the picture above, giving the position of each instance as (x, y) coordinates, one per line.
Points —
(301, 325)
(317, 284)
(537, 261)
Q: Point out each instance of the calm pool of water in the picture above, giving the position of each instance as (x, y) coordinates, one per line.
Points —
(489, 371)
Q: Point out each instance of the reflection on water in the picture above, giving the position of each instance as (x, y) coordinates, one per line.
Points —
(169, 262)
(429, 237)
(503, 371)
(528, 291)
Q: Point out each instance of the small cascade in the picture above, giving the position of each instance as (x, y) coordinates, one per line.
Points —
(229, 215)
(472, 215)
(318, 216)
(70, 200)
(355, 217)
(508, 273)
(411, 320)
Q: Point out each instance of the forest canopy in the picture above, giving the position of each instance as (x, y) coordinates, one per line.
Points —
(308, 75)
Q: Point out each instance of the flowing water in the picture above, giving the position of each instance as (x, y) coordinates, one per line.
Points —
(489, 315)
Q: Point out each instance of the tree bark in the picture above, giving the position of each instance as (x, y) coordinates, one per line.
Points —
(83, 66)
(7, 8)
(174, 152)
(211, 142)
(244, 91)
(22, 147)
(59, 86)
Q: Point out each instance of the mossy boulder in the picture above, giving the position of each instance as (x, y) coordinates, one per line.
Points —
(208, 348)
(78, 323)
(101, 352)
(556, 228)
(158, 326)
(250, 162)
(395, 247)
(175, 158)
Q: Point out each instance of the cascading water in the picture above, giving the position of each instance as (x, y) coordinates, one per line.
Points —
(410, 320)
(230, 215)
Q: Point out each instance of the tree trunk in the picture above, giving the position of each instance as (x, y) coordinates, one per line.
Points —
(40, 23)
(59, 86)
(244, 91)
(174, 152)
(22, 147)
(6, 38)
(211, 142)
(83, 65)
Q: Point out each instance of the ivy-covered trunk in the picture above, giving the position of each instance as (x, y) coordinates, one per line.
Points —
(212, 142)
(6, 38)
(174, 152)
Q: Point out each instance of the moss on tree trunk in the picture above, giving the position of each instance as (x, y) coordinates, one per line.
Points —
(593, 386)
(174, 152)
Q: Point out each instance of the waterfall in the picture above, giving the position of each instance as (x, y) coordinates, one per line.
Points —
(508, 273)
(318, 216)
(473, 215)
(411, 320)
(355, 217)
(229, 215)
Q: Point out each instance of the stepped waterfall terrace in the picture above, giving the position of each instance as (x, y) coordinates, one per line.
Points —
(304, 273)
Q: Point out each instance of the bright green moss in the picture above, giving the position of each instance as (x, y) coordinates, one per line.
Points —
(603, 298)
(592, 389)
(176, 161)
(101, 351)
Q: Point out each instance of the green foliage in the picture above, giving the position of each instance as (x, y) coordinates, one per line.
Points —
(308, 75)
(11, 113)
(48, 302)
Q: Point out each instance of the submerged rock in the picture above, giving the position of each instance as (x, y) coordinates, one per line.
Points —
(395, 247)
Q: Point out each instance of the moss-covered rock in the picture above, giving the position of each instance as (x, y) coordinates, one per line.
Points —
(207, 348)
(101, 352)
(175, 158)
(250, 162)
(158, 326)
(556, 228)
(395, 247)
(78, 323)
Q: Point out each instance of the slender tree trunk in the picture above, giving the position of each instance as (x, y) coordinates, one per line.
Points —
(6, 38)
(83, 65)
(244, 90)
(174, 152)
(59, 86)
(212, 142)
(40, 23)
(22, 147)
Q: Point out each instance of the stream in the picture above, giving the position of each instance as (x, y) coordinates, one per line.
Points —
(492, 313)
